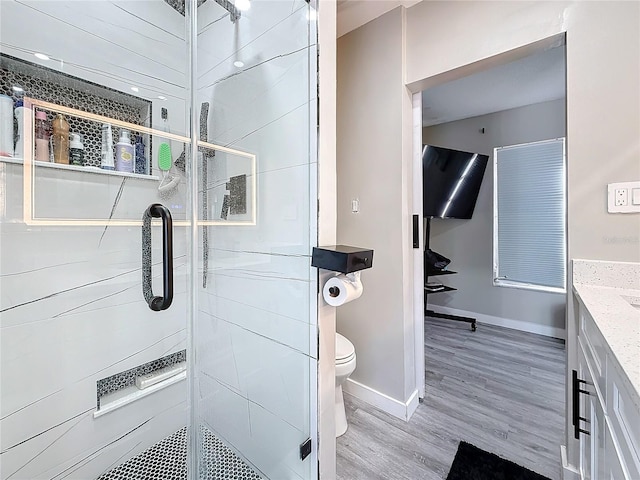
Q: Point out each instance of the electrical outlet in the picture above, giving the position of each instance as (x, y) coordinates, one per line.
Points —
(621, 197)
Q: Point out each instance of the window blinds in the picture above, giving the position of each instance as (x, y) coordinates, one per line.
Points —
(529, 215)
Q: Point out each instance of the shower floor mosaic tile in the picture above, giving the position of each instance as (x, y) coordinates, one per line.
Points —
(167, 460)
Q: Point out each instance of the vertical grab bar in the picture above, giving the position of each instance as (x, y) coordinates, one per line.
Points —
(157, 210)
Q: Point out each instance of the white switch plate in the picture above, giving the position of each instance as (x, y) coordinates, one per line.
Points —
(623, 197)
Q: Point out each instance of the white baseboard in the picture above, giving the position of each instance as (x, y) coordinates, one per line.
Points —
(569, 472)
(383, 402)
(545, 330)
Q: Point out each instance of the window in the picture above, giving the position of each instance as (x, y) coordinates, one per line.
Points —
(529, 247)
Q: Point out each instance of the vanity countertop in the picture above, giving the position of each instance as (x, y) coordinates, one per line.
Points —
(618, 321)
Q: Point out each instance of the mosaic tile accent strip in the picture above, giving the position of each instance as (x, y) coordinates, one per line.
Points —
(179, 5)
(167, 460)
(128, 378)
(49, 85)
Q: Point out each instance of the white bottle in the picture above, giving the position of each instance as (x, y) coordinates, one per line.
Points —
(107, 148)
(124, 153)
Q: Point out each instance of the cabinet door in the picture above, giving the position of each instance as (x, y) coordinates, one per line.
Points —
(591, 444)
(613, 467)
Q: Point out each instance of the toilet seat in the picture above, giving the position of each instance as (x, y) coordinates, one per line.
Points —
(345, 351)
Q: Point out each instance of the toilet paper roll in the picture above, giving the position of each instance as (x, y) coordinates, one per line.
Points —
(342, 289)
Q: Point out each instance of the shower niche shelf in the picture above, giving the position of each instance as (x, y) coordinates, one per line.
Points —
(76, 168)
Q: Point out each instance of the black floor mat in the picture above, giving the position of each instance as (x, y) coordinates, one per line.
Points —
(472, 463)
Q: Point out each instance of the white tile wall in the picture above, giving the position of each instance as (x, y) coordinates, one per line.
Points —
(72, 312)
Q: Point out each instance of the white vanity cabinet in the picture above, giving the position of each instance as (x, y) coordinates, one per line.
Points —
(608, 414)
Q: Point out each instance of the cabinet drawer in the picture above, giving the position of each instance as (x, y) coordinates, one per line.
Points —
(595, 349)
(623, 416)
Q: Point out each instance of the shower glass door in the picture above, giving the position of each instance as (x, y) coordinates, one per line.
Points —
(255, 333)
(94, 383)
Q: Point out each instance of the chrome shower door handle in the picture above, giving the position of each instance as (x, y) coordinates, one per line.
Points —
(156, 210)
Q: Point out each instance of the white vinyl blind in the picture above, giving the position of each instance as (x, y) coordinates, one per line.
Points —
(529, 215)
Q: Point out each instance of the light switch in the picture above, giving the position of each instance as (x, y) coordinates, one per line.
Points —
(355, 205)
(635, 196)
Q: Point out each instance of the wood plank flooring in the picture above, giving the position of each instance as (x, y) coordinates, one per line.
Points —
(499, 389)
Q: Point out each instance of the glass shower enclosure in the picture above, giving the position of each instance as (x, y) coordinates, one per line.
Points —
(158, 208)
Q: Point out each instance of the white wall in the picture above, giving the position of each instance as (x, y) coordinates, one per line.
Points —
(443, 42)
(372, 105)
(603, 72)
(469, 243)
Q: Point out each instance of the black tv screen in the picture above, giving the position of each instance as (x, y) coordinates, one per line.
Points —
(451, 181)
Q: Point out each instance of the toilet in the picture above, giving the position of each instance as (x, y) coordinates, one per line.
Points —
(345, 365)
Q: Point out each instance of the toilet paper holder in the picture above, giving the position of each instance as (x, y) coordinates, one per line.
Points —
(342, 258)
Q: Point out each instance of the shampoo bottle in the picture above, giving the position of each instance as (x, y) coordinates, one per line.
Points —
(60, 140)
(42, 137)
(124, 153)
(107, 148)
(76, 150)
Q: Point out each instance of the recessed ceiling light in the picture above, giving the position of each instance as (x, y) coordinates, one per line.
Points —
(135, 89)
(161, 97)
(17, 88)
(243, 5)
(238, 64)
(41, 56)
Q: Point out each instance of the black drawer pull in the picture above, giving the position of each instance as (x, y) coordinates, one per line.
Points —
(575, 397)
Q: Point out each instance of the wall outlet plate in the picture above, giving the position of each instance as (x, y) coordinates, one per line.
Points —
(620, 197)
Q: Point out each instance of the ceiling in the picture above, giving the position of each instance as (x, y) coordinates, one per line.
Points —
(533, 79)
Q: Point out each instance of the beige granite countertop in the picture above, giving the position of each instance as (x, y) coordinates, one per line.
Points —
(619, 323)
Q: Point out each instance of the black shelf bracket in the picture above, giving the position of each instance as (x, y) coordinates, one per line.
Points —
(428, 273)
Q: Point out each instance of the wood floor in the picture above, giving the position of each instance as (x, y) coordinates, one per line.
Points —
(499, 389)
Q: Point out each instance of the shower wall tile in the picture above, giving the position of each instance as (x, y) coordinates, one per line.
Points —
(71, 313)
(277, 459)
(215, 398)
(274, 377)
(291, 332)
(257, 368)
(276, 283)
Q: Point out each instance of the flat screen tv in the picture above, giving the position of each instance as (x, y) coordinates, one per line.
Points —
(451, 181)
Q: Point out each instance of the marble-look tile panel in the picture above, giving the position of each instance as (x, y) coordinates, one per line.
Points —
(277, 459)
(72, 313)
(277, 284)
(83, 447)
(261, 370)
(288, 331)
(245, 103)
